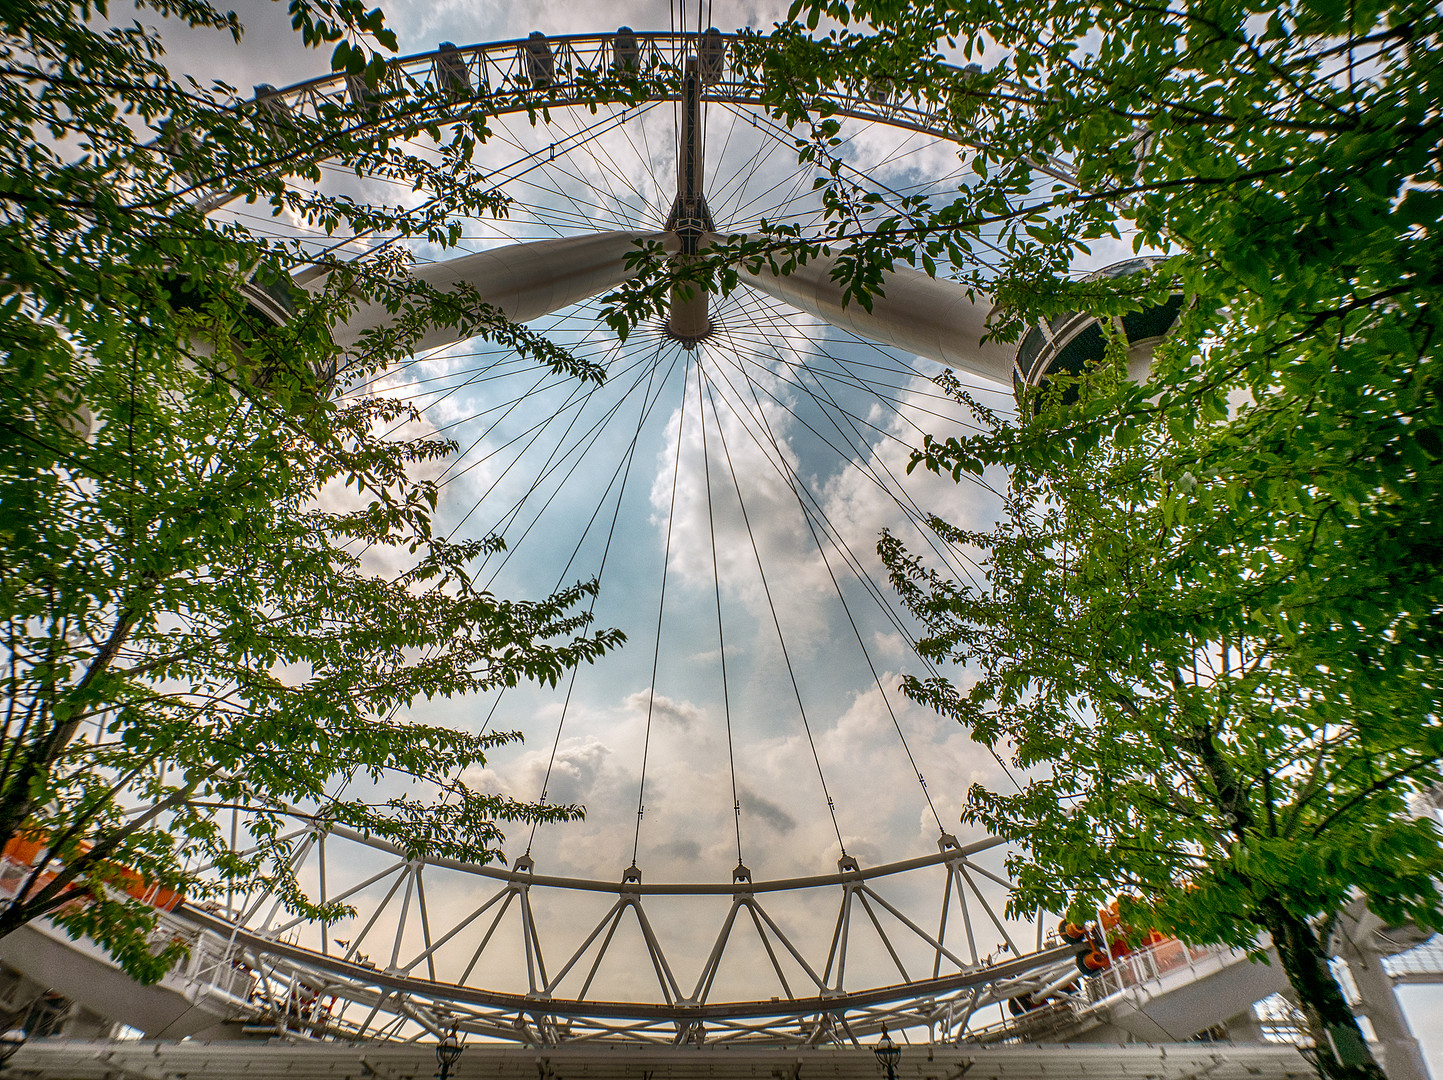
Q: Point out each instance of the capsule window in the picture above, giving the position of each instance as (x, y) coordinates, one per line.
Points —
(625, 53)
(451, 72)
(272, 102)
(361, 93)
(711, 56)
(540, 62)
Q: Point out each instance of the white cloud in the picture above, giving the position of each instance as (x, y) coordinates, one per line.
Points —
(679, 714)
(770, 813)
(768, 526)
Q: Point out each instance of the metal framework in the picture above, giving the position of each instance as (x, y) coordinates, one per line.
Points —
(530, 74)
(406, 972)
(539, 73)
(225, 1061)
(901, 953)
(907, 944)
(409, 970)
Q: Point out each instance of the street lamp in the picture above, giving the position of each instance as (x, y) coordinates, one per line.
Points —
(447, 1051)
(888, 1054)
(10, 1042)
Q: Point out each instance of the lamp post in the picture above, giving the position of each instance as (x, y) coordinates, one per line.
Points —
(10, 1042)
(888, 1054)
(447, 1051)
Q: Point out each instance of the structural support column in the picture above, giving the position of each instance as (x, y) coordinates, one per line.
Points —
(689, 319)
(1402, 1057)
(526, 281)
(919, 314)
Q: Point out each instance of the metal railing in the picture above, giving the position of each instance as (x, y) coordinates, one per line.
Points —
(212, 968)
(1055, 1019)
(1420, 964)
(1156, 961)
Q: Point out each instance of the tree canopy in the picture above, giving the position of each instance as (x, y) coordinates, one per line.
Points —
(1209, 619)
(221, 583)
(1212, 605)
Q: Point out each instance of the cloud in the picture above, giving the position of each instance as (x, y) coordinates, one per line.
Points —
(752, 442)
(579, 767)
(860, 507)
(770, 813)
(891, 645)
(683, 849)
(679, 714)
(424, 20)
(791, 426)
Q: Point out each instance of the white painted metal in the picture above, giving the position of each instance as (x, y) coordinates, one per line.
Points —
(932, 318)
(84, 973)
(79, 1060)
(1422, 964)
(1365, 944)
(1170, 992)
(252, 976)
(1402, 1057)
(936, 319)
(283, 977)
(500, 71)
(689, 319)
(524, 281)
(817, 1003)
(262, 981)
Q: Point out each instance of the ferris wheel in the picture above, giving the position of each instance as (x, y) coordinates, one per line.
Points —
(725, 485)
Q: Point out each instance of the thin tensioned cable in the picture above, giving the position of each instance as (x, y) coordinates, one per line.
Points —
(660, 611)
(856, 441)
(786, 656)
(605, 551)
(590, 131)
(648, 403)
(838, 542)
(559, 452)
(856, 422)
(793, 481)
(578, 455)
(716, 580)
(801, 490)
(893, 491)
(743, 414)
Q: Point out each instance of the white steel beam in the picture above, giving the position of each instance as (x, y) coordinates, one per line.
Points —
(86, 1060)
(932, 318)
(526, 281)
(916, 313)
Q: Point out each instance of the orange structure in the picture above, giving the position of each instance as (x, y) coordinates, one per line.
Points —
(26, 852)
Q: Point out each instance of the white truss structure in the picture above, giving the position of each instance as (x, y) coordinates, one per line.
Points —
(507, 965)
(561, 71)
(517, 963)
(909, 942)
(407, 972)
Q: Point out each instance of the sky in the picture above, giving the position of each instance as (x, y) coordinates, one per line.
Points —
(790, 707)
(795, 415)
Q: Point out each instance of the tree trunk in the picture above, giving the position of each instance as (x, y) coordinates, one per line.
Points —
(1342, 1052)
(41, 750)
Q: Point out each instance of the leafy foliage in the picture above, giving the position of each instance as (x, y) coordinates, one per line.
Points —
(221, 585)
(1211, 614)
(1134, 637)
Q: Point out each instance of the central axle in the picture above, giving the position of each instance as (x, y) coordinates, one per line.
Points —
(689, 320)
